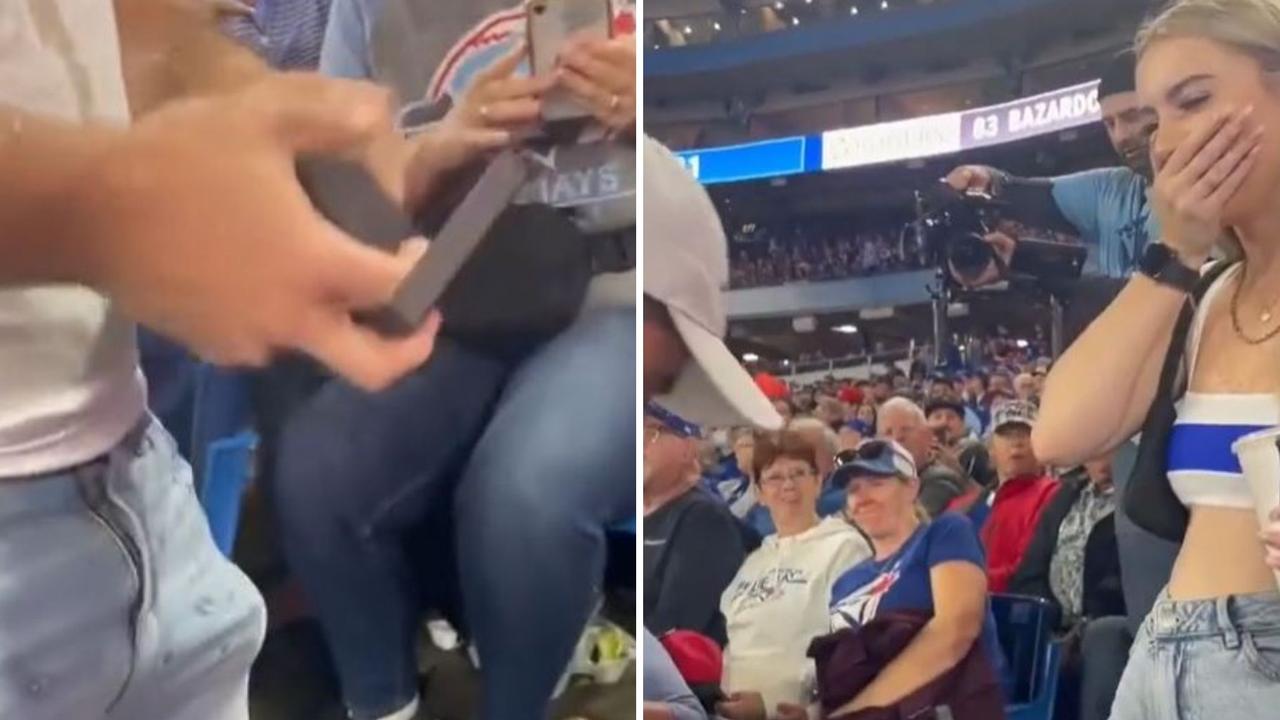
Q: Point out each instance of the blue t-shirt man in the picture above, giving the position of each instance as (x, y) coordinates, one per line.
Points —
(902, 581)
(1110, 209)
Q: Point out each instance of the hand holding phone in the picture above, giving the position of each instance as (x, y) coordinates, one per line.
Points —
(552, 25)
(348, 196)
(602, 73)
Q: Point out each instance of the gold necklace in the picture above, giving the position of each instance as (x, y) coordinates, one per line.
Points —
(1264, 316)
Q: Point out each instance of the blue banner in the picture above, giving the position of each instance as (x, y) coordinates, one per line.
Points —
(772, 158)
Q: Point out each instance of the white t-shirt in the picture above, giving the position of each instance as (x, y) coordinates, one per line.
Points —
(70, 388)
(778, 602)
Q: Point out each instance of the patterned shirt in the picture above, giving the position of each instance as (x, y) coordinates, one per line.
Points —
(1066, 569)
(287, 34)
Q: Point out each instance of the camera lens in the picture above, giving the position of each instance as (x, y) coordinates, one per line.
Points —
(969, 254)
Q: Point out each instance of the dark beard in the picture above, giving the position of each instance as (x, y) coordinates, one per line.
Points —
(1139, 162)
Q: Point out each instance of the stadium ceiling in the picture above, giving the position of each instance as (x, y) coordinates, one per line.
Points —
(1013, 41)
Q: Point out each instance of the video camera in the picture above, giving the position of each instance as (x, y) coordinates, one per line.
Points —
(951, 227)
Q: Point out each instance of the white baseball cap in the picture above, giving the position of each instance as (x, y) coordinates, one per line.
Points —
(686, 266)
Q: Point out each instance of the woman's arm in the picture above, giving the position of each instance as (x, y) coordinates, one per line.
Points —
(960, 604)
(171, 50)
(666, 695)
(1098, 393)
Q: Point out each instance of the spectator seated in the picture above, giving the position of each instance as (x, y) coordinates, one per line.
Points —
(693, 544)
(778, 600)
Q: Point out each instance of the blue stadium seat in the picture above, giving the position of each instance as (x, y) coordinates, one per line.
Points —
(228, 467)
(1032, 659)
(221, 410)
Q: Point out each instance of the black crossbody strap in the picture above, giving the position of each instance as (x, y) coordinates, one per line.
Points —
(1149, 500)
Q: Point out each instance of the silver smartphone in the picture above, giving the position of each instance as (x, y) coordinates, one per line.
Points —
(552, 23)
(348, 196)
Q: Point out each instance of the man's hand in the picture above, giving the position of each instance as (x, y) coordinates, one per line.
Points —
(1004, 246)
(972, 178)
(743, 706)
(230, 8)
(791, 711)
(216, 8)
(657, 711)
(195, 224)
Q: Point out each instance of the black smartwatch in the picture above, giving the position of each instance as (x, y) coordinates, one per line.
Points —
(1160, 263)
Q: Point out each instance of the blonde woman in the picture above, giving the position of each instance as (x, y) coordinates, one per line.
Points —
(1211, 646)
(933, 566)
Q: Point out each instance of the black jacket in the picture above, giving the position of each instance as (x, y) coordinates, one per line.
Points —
(1149, 500)
(1103, 594)
(693, 546)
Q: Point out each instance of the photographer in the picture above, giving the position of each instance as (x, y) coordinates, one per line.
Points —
(1107, 207)
(1111, 210)
(486, 430)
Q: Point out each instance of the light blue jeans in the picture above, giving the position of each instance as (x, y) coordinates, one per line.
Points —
(1204, 660)
(114, 602)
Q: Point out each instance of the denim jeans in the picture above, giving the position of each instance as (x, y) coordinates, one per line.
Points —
(114, 602)
(538, 460)
(1204, 660)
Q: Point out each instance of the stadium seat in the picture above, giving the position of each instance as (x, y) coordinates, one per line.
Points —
(220, 410)
(228, 467)
(1032, 659)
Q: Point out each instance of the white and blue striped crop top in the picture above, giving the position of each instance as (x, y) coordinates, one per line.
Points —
(1202, 468)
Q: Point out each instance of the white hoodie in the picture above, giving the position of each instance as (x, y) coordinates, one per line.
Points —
(777, 603)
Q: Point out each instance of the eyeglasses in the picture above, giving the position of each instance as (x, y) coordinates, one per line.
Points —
(796, 476)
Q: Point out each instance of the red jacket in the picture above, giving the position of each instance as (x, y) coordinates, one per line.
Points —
(1008, 531)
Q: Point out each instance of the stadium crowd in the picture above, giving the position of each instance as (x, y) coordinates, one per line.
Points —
(761, 542)
(764, 254)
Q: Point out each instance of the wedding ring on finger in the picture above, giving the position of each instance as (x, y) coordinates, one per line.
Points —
(614, 102)
(484, 112)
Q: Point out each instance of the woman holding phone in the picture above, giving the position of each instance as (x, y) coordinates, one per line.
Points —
(529, 448)
(1211, 645)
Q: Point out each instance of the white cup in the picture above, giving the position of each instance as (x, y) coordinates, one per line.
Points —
(1259, 455)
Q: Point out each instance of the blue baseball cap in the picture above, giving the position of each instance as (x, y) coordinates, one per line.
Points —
(860, 427)
(672, 421)
(873, 458)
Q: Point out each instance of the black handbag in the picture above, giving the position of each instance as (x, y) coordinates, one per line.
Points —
(1149, 500)
(525, 282)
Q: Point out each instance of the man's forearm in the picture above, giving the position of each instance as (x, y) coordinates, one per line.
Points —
(1030, 200)
(42, 220)
(175, 48)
